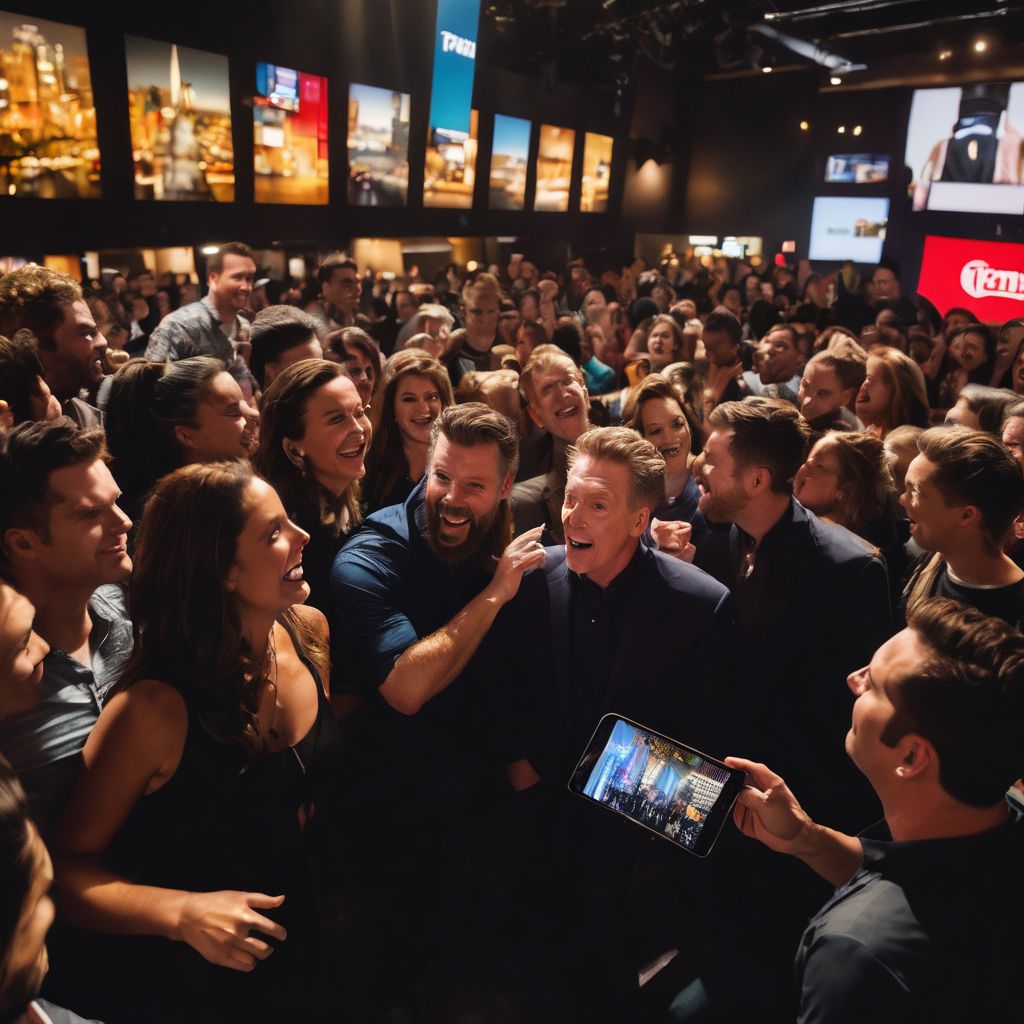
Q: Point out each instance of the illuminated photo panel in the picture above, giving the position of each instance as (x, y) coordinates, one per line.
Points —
(289, 136)
(510, 153)
(554, 168)
(378, 146)
(48, 147)
(449, 173)
(597, 172)
(180, 112)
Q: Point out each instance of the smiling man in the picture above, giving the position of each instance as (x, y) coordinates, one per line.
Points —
(609, 624)
(925, 922)
(63, 541)
(51, 306)
(558, 402)
(963, 492)
(212, 326)
(416, 593)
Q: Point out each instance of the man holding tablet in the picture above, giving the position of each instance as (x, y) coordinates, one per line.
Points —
(925, 922)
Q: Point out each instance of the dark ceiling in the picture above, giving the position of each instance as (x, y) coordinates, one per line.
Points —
(595, 43)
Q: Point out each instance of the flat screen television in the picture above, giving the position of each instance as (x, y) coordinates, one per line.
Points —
(848, 228)
(856, 169)
(964, 148)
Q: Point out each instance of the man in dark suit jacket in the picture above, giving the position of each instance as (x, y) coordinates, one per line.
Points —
(812, 605)
(610, 625)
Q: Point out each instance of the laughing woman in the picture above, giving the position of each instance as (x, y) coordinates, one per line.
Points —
(416, 389)
(313, 440)
(191, 840)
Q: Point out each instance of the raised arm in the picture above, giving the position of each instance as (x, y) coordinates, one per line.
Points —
(768, 812)
(429, 666)
(133, 750)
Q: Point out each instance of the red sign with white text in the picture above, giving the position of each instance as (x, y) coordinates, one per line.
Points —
(985, 277)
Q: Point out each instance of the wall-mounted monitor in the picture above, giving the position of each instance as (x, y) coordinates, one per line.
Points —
(449, 172)
(378, 146)
(289, 136)
(510, 153)
(856, 169)
(964, 148)
(180, 112)
(848, 228)
(554, 168)
(597, 172)
(48, 147)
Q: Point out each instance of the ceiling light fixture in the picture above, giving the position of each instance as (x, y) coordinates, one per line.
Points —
(835, 80)
(841, 130)
(805, 125)
(980, 45)
(857, 129)
(945, 54)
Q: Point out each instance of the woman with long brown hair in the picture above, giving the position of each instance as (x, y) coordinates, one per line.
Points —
(893, 393)
(416, 389)
(314, 437)
(192, 829)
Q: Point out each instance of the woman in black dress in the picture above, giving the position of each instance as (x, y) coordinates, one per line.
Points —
(194, 831)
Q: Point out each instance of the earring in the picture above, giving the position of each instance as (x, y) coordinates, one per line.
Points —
(298, 460)
(901, 770)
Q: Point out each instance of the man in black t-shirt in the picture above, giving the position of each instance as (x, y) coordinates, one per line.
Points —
(963, 492)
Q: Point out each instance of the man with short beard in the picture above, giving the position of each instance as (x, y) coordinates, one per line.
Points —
(812, 604)
(416, 591)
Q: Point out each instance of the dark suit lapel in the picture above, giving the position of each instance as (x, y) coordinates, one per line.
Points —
(639, 626)
(560, 598)
(787, 571)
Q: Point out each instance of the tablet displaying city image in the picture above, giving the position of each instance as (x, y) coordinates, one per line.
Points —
(646, 777)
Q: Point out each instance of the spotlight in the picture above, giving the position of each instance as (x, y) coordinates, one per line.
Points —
(841, 130)
(766, 70)
(857, 129)
(209, 250)
(805, 125)
(472, 265)
(945, 54)
(835, 80)
(980, 45)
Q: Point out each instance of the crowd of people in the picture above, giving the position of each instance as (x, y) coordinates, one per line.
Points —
(313, 595)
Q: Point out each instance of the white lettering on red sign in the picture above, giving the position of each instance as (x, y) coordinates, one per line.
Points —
(982, 281)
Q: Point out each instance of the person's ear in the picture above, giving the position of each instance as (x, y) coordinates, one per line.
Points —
(532, 412)
(917, 757)
(970, 515)
(641, 517)
(848, 395)
(183, 436)
(231, 583)
(506, 486)
(20, 543)
(757, 479)
(295, 455)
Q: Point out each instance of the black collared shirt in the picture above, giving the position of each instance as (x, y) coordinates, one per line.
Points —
(597, 616)
(925, 931)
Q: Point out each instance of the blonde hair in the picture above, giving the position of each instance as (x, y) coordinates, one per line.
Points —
(626, 447)
(542, 358)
